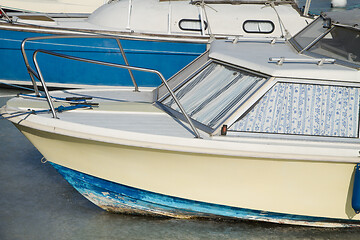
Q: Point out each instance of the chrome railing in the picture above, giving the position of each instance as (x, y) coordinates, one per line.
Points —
(33, 74)
(50, 101)
(4, 14)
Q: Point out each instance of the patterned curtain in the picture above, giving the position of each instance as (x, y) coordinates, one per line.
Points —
(305, 109)
(210, 96)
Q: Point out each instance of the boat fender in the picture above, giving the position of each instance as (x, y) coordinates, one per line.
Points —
(356, 190)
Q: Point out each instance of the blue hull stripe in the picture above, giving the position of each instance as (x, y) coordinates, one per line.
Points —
(120, 198)
(167, 57)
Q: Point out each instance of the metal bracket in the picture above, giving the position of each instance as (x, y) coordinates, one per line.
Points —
(318, 61)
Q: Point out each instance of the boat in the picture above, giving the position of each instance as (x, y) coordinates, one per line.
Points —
(259, 131)
(338, 3)
(157, 34)
(52, 6)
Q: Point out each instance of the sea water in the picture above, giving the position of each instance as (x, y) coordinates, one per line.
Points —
(37, 203)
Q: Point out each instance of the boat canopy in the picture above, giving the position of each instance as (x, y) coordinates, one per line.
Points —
(335, 35)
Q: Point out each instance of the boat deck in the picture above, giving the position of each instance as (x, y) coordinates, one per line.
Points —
(120, 110)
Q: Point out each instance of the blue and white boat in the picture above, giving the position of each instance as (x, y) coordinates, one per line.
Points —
(53, 6)
(162, 35)
(249, 130)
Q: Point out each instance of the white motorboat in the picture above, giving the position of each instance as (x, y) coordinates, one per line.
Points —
(52, 6)
(249, 130)
(338, 3)
(154, 33)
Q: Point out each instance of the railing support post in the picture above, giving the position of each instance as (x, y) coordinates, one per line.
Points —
(127, 63)
(41, 78)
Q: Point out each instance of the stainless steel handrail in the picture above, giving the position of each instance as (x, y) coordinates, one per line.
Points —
(5, 15)
(33, 74)
(127, 63)
(47, 94)
(50, 102)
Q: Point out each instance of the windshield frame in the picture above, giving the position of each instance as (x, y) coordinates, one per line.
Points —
(215, 129)
(307, 49)
(316, 39)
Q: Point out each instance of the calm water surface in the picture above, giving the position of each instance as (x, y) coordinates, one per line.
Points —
(37, 203)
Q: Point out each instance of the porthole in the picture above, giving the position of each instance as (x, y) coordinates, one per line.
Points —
(258, 26)
(191, 25)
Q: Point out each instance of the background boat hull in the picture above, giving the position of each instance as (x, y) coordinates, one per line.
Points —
(166, 56)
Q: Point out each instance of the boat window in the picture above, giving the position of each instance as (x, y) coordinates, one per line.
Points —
(258, 26)
(211, 95)
(310, 33)
(304, 109)
(191, 25)
(341, 43)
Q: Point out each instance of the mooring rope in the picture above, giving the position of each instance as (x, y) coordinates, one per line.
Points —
(202, 4)
(59, 109)
(17, 86)
(281, 23)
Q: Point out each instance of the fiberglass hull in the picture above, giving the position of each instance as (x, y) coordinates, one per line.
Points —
(144, 180)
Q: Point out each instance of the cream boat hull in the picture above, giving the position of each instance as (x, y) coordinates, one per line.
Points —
(304, 192)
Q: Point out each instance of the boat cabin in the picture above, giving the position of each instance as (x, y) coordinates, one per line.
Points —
(248, 87)
(251, 87)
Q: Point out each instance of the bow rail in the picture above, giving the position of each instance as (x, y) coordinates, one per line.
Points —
(33, 74)
(50, 101)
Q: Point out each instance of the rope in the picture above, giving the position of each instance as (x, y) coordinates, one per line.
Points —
(17, 86)
(202, 4)
(70, 100)
(272, 5)
(3, 14)
(20, 114)
(59, 109)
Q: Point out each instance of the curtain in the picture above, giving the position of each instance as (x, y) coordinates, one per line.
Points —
(291, 108)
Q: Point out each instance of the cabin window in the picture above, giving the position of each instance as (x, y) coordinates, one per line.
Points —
(335, 41)
(192, 25)
(304, 109)
(211, 95)
(340, 43)
(258, 26)
(311, 32)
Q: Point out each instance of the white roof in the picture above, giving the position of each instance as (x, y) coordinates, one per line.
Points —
(53, 6)
(255, 56)
(164, 17)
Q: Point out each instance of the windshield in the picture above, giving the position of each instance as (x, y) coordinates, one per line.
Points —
(341, 43)
(213, 94)
(309, 34)
(336, 41)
